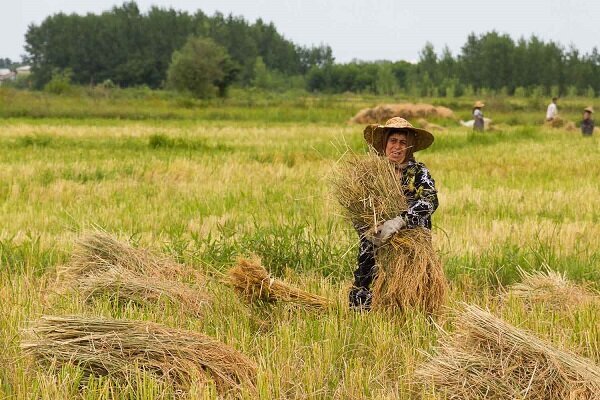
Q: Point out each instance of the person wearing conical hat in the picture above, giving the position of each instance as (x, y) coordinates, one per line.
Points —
(478, 124)
(397, 140)
(587, 125)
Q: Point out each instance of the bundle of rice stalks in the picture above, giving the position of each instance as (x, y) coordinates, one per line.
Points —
(487, 358)
(368, 189)
(252, 282)
(116, 347)
(98, 251)
(551, 288)
(409, 273)
(124, 286)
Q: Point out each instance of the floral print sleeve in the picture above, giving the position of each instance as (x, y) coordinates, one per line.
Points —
(421, 194)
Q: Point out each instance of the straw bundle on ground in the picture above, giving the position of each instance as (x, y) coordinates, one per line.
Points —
(552, 289)
(99, 251)
(125, 286)
(383, 112)
(409, 272)
(252, 282)
(487, 358)
(104, 266)
(115, 347)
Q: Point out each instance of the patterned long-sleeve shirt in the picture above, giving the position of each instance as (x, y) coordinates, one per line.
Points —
(421, 195)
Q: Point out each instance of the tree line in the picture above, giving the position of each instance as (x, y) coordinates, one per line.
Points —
(128, 48)
(132, 48)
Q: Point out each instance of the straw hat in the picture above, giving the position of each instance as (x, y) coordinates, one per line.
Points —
(478, 104)
(589, 109)
(376, 135)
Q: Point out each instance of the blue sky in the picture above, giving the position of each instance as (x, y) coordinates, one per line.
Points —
(367, 30)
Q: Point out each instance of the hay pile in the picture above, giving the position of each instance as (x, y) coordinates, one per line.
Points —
(383, 112)
(123, 286)
(102, 266)
(98, 251)
(552, 289)
(112, 347)
(252, 282)
(409, 273)
(487, 358)
(559, 123)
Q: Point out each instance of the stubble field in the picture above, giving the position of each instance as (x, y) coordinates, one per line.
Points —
(206, 191)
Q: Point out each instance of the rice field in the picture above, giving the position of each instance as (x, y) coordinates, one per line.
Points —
(206, 191)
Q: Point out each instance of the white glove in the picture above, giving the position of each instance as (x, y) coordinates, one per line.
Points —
(387, 229)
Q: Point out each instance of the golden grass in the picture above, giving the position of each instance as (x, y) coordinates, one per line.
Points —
(114, 347)
(487, 358)
(252, 282)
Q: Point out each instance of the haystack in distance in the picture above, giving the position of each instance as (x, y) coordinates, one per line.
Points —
(383, 112)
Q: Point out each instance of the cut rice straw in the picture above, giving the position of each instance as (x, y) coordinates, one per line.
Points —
(98, 250)
(115, 347)
(252, 282)
(125, 286)
(552, 289)
(487, 358)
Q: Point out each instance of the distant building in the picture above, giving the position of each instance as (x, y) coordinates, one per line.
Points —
(7, 75)
(24, 70)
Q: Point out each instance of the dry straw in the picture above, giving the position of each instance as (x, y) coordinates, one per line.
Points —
(383, 112)
(116, 347)
(552, 289)
(103, 266)
(97, 251)
(487, 358)
(125, 286)
(409, 272)
(252, 282)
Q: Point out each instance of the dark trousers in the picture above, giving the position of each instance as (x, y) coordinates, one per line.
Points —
(360, 294)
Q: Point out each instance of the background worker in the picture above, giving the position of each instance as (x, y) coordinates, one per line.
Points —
(552, 111)
(587, 125)
(478, 121)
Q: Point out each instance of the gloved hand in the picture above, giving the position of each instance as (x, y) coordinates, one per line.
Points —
(387, 229)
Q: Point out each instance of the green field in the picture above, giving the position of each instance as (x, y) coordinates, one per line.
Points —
(208, 182)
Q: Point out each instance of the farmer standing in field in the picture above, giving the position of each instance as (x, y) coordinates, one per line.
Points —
(478, 121)
(397, 140)
(587, 125)
(552, 111)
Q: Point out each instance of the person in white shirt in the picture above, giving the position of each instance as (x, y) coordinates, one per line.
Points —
(552, 111)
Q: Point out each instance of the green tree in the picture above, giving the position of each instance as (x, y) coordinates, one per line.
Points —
(201, 68)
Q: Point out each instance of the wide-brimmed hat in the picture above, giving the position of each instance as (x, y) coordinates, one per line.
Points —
(376, 135)
(478, 104)
(589, 109)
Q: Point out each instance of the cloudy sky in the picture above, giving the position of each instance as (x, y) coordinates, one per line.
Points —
(367, 29)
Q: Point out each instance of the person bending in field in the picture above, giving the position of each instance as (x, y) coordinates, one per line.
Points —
(587, 125)
(478, 121)
(397, 140)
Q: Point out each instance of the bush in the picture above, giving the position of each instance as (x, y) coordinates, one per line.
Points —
(60, 82)
(201, 68)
